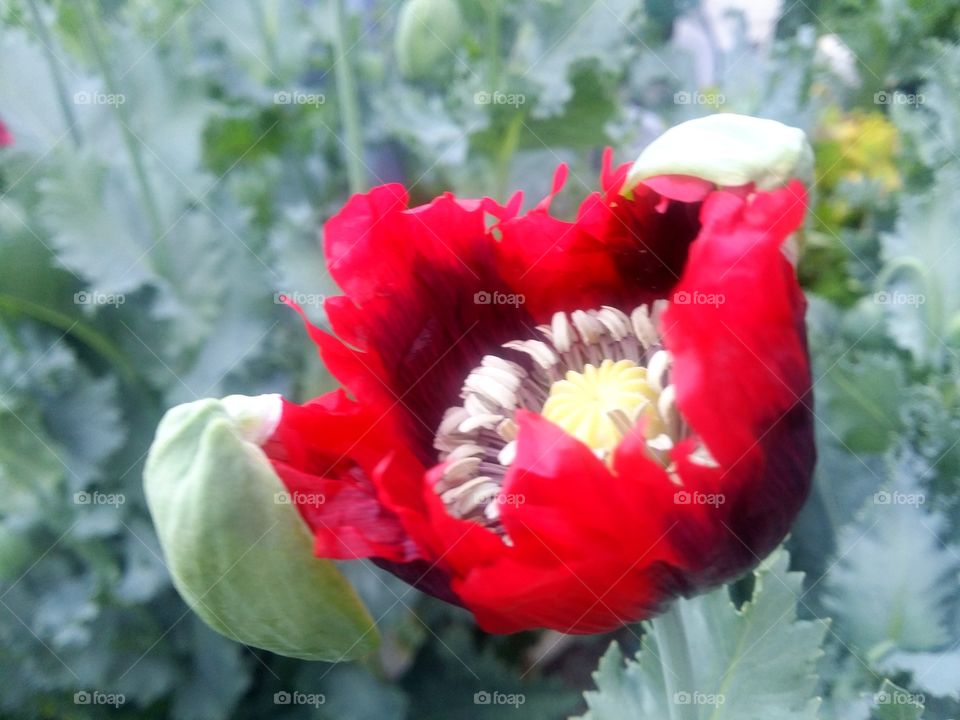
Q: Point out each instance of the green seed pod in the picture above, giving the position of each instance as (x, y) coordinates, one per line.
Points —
(428, 34)
(729, 150)
(238, 551)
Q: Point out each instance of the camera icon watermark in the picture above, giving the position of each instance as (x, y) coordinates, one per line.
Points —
(696, 297)
(299, 698)
(87, 97)
(713, 100)
(96, 697)
(482, 297)
(296, 97)
(686, 497)
(299, 298)
(484, 697)
(899, 298)
(884, 497)
(302, 499)
(895, 97)
(498, 97)
(96, 497)
(684, 697)
(899, 697)
(511, 499)
(92, 297)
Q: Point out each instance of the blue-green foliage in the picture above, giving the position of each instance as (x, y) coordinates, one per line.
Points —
(172, 163)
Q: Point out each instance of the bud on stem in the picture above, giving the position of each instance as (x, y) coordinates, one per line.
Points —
(238, 552)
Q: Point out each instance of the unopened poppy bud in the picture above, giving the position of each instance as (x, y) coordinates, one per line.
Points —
(428, 32)
(727, 150)
(238, 551)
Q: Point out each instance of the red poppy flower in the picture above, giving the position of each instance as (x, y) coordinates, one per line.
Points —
(558, 424)
(6, 137)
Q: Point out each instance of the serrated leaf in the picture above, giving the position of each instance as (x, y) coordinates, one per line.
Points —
(918, 290)
(566, 35)
(269, 40)
(894, 580)
(861, 394)
(92, 212)
(70, 416)
(30, 471)
(31, 108)
(932, 125)
(755, 663)
(171, 143)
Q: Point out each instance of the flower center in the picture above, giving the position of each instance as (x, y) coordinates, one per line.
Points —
(600, 404)
(595, 374)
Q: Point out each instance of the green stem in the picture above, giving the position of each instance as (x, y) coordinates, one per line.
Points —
(56, 71)
(674, 653)
(511, 139)
(348, 103)
(259, 9)
(130, 140)
(511, 136)
(84, 333)
(493, 43)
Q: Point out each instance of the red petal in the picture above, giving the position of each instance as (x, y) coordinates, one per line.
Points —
(735, 326)
(415, 312)
(681, 187)
(589, 548)
(741, 371)
(327, 453)
(619, 251)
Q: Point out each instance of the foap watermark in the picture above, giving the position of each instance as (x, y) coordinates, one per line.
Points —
(895, 97)
(299, 698)
(699, 298)
(299, 298)
(682, 697)
(303, 499)
(511, 499)
(296, 97)
(498, 97)
(482, 297)
(93, 297)
(686, 497)
(713, 100)
(899, 697)
(96, 497)
(484, 697)
(896, 497)
(899, 298)
(96, 697)
(86, 97)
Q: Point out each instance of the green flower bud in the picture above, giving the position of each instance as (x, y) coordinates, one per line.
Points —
(728, 150)
(428, 34)
(238, 551)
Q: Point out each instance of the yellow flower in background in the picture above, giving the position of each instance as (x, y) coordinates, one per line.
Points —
(854, 148)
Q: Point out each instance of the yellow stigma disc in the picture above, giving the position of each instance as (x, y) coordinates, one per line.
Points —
(599, 404)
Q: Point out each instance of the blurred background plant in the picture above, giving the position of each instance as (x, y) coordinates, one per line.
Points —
(171, 163)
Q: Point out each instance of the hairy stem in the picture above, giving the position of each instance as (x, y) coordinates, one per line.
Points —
(348, 102)
(56, 71)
